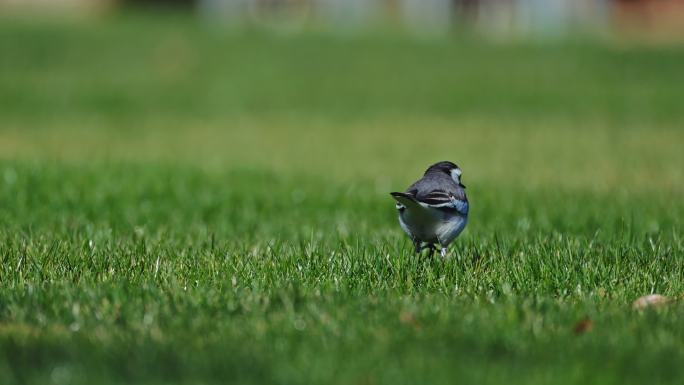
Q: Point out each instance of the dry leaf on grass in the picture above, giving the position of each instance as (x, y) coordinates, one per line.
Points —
(651, 300)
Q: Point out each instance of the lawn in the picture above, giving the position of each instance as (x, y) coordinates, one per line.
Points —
(184, 203)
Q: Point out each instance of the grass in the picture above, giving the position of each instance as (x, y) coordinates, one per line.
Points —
(185, 204)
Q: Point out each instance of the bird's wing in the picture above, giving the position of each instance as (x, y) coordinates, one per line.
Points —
(439, 199)
(434, 197)
(454, 204)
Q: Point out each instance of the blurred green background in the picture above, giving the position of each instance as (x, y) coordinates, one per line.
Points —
(188, 201)
(582, 113)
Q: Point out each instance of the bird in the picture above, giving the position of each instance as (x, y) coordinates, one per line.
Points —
(434, 209)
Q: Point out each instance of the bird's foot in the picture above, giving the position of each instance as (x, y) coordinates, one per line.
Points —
(443, 251)
(432, 249)
(420, 247)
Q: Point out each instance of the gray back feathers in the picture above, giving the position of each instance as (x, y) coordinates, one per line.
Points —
(435, 187)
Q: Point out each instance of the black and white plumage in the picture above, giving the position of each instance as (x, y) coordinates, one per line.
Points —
(434, 210)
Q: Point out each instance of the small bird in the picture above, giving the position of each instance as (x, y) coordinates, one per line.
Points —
(435, 208)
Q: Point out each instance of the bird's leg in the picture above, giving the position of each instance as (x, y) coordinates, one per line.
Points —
(417, 245)
(443, 251)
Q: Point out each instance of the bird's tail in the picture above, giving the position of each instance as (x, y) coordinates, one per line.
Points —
(405, 199)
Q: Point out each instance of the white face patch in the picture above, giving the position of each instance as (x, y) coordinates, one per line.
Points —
(456, 175)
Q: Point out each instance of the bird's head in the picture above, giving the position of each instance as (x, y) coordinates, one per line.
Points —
(448, 168)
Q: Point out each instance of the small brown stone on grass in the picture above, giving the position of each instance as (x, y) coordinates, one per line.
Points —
(583, 326)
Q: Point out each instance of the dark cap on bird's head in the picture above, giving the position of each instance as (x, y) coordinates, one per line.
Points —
(448, 168)
(443, 166)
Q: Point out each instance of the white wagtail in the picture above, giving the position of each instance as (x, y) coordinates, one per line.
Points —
(435, 208)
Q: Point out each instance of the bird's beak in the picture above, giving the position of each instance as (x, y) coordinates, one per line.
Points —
(461, 184)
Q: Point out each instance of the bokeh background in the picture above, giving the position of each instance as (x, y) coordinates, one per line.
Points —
(375, 89)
